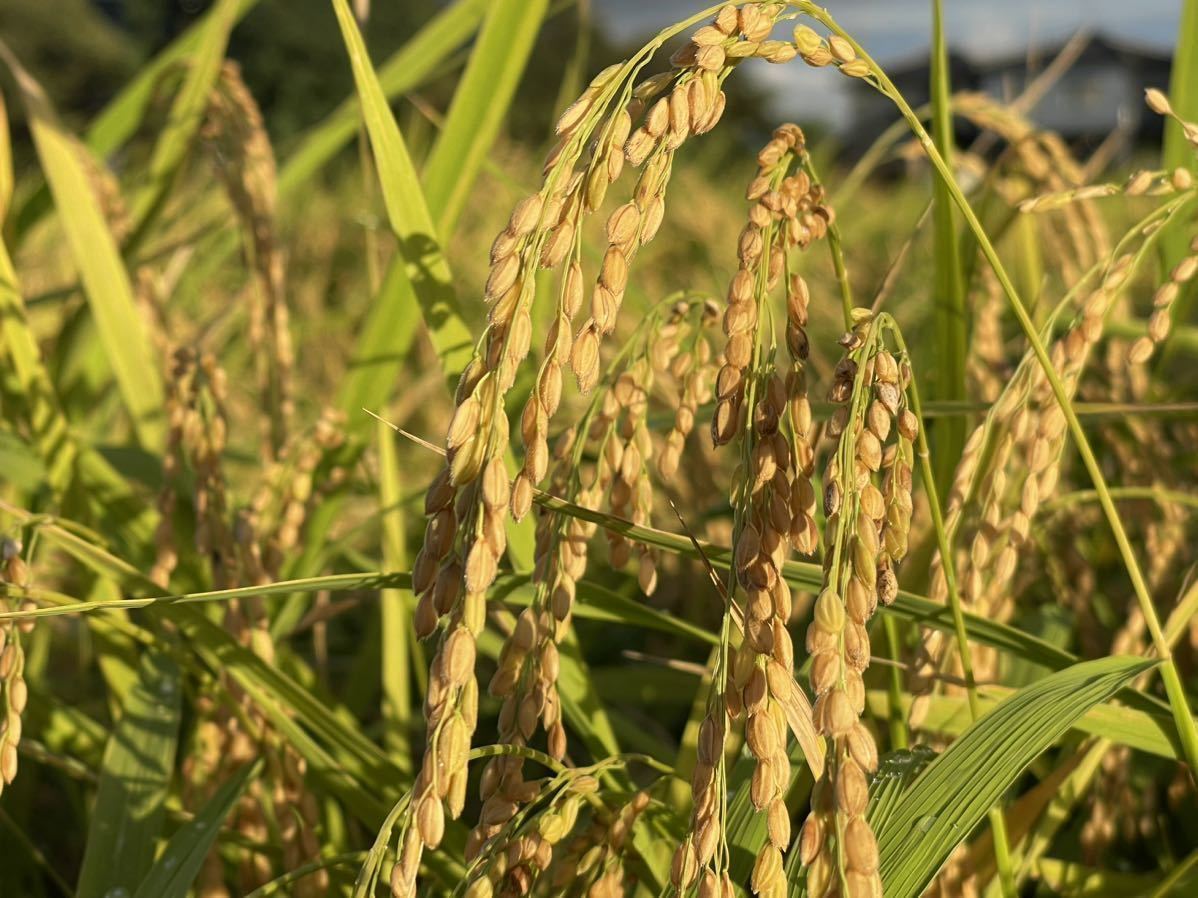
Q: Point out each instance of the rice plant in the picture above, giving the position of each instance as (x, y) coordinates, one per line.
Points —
(428, 520)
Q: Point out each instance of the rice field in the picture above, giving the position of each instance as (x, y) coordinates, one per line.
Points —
(656, 506)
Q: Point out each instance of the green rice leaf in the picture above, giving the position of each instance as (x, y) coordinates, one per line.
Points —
(407, 68)
(134, 780)
(480, 105)
(945, 802)
(337, 753)
(952, 334)
(175, 870)
(48, 427)
(746, 825)
(1147, 731)
(105, 280)
(63, 459)
(425, 268)
(395, 617)
(123, 114)
(1177, 152)
(6, 174)
(1079, 881)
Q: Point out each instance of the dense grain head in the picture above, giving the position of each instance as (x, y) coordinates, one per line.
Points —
(14, 693)
(763, 409)
(241, 152)
(234, 733)
(868, 498)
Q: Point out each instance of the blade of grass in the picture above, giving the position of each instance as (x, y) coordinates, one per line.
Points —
(120, 118)
(416, 61)
(351, 766)
(1181, 874)
(117, 653)
(1022, 815)
(280, 885)
(1079, 881)
(393, 610)
(581, 702)
(1176, 151)
(418, 279)
(1080, 769)
(596, 602)
(33, 856)
(66, 730)
(101, 487)
(896, 770)
(747, 827)
(134, 781)
(105, 280)
(1138, 729)
(804, 576)
(945, 802)
(480, 104)
(48, 427)
(286, 703)
(425, 270)
(6, 173)
(907, 606)
(337, 754)
(407, 68)
(382, 345)
(410, 66)
(175, 870)
(393, 318)
(1088, 759)
(425, 267)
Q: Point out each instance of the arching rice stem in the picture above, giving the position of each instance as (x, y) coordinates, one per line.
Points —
(1128, 493)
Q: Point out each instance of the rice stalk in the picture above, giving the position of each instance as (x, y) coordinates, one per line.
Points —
(13, 689)
(240, 149)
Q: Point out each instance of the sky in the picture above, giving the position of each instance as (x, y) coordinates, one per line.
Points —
(896, 30)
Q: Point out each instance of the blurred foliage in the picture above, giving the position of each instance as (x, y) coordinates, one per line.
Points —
(80, 66)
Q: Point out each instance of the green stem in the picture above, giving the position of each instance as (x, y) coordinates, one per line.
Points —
(842, 275)
(949, 309)
(1177, 152)
(1180, 337)
(1131, 493)
(898, 726)
(279, 885)
(1183, 719)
